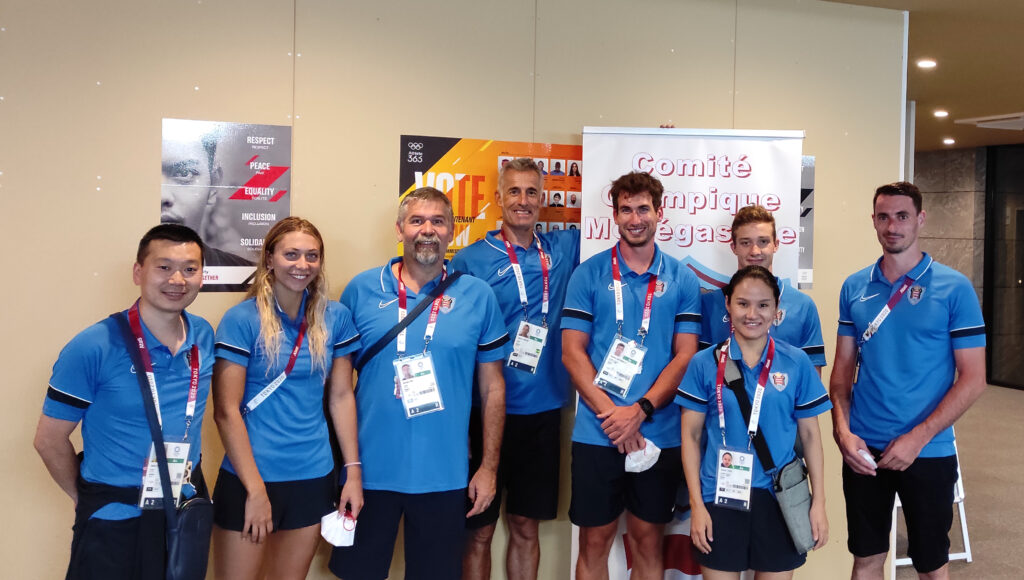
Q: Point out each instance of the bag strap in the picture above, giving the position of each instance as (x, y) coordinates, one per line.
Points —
(402, 324)
(734, 379)
(154, 425)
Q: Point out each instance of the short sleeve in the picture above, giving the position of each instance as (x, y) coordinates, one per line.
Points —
(75, 376)
(493, 342)
(346, 337)
(812, 342)
(578, 310)
(811, 398)
(688, 316)
(846, 327)
(237, 333)
(694, 391)
(966, 325)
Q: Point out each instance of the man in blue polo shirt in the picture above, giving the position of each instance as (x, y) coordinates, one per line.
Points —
(910, 359)
(754, 242)
(629, 328)
(528, 272)
(413, 426)
(94, 382)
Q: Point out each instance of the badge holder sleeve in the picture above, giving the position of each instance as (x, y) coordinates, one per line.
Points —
(190, 526)
(789, 481)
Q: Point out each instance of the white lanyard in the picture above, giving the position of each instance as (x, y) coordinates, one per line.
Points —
(645, 321)
(277, 382)
(431, 321)
(521, 283)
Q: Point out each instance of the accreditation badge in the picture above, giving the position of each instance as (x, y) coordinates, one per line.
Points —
(526, 350)
(417, 385)
(621, 364)
(152, 493)
(735, 474)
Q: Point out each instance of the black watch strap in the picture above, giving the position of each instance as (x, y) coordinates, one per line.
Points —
(647, 407)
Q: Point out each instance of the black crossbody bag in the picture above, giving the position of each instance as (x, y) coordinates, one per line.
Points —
(413, 314)
(188, 526)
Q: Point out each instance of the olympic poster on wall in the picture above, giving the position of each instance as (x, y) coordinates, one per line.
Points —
(708, 175)
(467, 170)
(230, 182)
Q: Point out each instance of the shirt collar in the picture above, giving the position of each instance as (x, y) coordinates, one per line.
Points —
(302, 309)
(389, 283)
(916, 272)
(654, 268)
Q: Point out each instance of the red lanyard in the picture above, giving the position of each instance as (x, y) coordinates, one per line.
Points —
(884, 313)
(193, 387)
(431, 321)
(518, 270)
(645, 321)
(254, 402)
(762, 380)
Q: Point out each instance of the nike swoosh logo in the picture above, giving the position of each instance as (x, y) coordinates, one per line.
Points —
(383, 304)
(866, 298)
(503, 271)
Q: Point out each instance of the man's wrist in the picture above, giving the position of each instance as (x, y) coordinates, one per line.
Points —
(647, 407)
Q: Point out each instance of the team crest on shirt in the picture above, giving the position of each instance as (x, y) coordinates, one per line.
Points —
(447, 303)
(780, 315)
(915, 293)
(779, 381)
(659, 288)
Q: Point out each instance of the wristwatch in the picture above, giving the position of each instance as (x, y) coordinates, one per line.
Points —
(647, 407)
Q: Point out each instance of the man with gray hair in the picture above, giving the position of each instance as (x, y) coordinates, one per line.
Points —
(413, 426)
(528, 271)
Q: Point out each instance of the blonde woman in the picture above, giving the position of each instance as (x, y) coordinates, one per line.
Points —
(275, 351)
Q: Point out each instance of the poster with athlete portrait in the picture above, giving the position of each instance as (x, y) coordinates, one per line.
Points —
(467, 170)
(230, 182)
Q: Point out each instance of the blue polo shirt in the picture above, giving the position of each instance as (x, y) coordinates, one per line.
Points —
(94, 382)
(907, 367)
(428, 453)
(796, 323)
(287, 431)
(487, 259)
(794, 391)
(590, 308)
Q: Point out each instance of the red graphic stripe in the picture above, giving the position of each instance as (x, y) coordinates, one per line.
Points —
(262, 179)
(706, 278)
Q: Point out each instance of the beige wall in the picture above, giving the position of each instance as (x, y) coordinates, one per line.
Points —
(84, 87)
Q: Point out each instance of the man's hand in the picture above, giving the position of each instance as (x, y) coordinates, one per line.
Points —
(481, 490)
(631, 444)
(849, 445)
(902, 451)
(621, 423)
(819, 524)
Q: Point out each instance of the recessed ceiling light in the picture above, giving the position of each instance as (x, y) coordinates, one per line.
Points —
(941, 114)
(926, 63)
(948, 141)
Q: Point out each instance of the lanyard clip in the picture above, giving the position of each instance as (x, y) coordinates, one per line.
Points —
(619, 328)
(723, 438)
(426, 343)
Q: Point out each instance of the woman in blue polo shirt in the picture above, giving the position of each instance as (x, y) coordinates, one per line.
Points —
(275, 351)
(736, 523)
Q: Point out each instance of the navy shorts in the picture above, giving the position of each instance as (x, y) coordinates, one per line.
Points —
(435, 526)
(757, 539)
(528, 471)
(926, 491)
(293, 504)
(601, 488)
